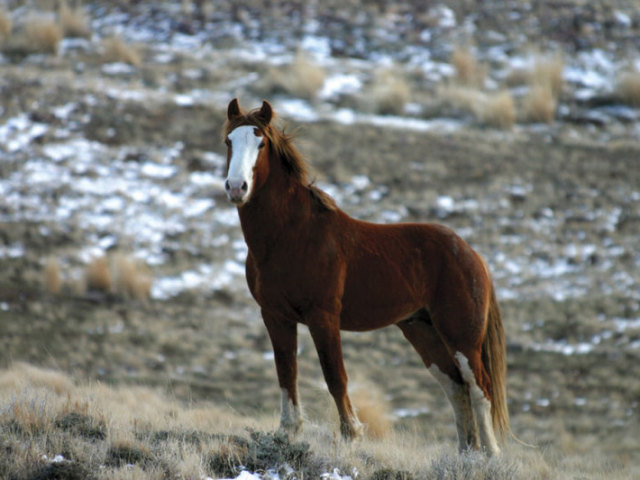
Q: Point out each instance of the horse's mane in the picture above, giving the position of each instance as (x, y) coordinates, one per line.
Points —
(281, 144)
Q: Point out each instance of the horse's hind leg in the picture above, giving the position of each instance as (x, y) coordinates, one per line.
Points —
(474, 375)
(438, 360)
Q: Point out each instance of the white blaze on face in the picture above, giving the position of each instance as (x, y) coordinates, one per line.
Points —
(245, 147)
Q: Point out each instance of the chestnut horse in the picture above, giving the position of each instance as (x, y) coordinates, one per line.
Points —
(310, 263)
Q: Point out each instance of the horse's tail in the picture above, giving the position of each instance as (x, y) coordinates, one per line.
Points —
(494, 358)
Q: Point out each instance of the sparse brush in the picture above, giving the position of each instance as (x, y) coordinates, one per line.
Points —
(73, 21)
(133, 279)
(116, 50)
(497, 110)
(539, 104)
(468, 70)
(628, 88)
(460, 98)
(5, 24)
(388, 93)
(97, 275)
(373, 411)
(52, 277)
(547, 73)
(42, 35)
(302, 79)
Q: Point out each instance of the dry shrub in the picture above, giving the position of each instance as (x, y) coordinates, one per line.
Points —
(116, 50)
(460, 98)
(373, 411)
(52, 277)
(468, 70)
(5, 24)
(540, 104)
(73, 21)
(547, 72)
(97, 275)
(23, 375)
(133, 278)
(388, 93)
(42, 35)
(497, 110)
(628, 88)
(303, 78)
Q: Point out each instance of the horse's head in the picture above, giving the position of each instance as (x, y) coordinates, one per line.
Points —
(246, 140)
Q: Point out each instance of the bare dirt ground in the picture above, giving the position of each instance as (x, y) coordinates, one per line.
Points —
(556, 212)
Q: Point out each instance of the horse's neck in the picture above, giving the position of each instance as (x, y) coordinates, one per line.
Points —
(277, 214)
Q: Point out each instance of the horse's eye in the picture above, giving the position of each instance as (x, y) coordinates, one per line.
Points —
(261, 146)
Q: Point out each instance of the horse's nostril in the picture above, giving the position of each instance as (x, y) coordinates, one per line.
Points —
(227, 185)
(244, 186)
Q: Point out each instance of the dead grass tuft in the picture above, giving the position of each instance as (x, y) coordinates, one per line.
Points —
(302, 79)
(5, 24)
(468, 70)
(373, 411)
(52, 277)
(547, 73)
(98, 275)
(628, 88)
(388, 93)
(73, 21)
(133, 278)
(116, 50)
(540, 104)
(463, 99)
(497, 110)
(42, 35)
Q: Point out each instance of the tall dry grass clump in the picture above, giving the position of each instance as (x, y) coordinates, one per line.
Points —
(73, 21)
(628, 88)
(468, 71)
(42, 35)
(540, 104)
(303, 78)
(116, 50)
(98, 275)
(388, 93)
(132, 278)
(497, 110)
(6, 24)
(52, 276)
(545, 86)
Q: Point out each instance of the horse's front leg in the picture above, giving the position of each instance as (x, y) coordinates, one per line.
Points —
(283, 335)
(325, 331)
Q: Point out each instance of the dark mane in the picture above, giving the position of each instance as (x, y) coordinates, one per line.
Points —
(281, 144)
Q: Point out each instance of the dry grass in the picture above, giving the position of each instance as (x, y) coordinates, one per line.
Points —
(5, 24)
(132, 278)
(121, 432)
(388, 93)
(303, 78)
(540, 104)
(42, 35)
(628, 88)
(547, 73)
(73, 21)
(497, 110)
(468, 71)
(116, 50)
(98, 275)
(52, 277)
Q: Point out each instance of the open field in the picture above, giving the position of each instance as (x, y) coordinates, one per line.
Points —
(130, 345)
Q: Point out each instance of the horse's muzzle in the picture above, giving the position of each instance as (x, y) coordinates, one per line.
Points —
(236, 190)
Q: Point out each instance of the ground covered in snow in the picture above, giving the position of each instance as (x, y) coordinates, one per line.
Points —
(107, 158)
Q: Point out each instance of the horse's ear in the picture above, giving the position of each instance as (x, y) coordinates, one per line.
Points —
(233, 110)
(266, 112)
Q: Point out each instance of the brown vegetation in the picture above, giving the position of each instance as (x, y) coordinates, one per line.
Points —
(539, 104)
(497, 110)
(5, 24)
(42, 35)
(116, 50)
(628, 88)
(73, 21)
(468, 70)
(388, 93)
(303, 78)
